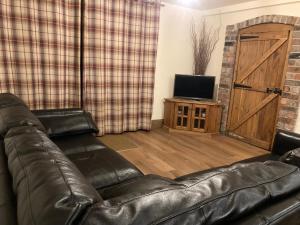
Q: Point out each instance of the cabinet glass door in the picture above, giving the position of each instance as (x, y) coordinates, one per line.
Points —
(199, 118)
(182, 116)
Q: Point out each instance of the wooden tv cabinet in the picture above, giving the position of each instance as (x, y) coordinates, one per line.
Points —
(192, 115)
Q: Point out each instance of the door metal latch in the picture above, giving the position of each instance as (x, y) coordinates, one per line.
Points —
(274, 90)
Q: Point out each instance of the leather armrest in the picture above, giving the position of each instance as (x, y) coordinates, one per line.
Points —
(63, 122)
(285, 141)
(292, 157)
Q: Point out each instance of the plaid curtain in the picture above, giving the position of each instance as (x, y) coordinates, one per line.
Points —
(40, 51)
(120, 44)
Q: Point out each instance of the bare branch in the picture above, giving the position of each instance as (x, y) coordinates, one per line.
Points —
(204, 42)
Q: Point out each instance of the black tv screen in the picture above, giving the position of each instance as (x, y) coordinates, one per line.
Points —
(194, 87)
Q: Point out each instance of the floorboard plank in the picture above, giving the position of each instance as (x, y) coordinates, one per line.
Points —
(175, 154)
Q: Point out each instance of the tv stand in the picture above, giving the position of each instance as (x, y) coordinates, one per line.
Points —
(192, 115)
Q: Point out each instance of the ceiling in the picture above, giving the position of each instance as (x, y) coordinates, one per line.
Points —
(205, 4)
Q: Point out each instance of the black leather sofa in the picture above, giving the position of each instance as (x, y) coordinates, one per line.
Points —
(54, 171)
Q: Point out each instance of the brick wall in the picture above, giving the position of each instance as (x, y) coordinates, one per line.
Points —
(289, 104)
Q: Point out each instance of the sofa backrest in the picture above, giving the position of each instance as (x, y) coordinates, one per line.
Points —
(8, 99)
(14, 113)
(49, 188)
(285, 141)
(217, 197)
(66, 122)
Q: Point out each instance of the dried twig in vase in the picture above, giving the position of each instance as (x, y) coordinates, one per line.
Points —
(204, 42)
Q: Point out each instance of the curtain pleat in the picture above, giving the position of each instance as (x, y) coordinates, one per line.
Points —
(42, 45)
(40, 52)
(120, 45)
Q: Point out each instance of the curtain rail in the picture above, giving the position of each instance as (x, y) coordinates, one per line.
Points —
(151, 2)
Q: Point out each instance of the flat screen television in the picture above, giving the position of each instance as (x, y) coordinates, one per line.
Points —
(194, 87)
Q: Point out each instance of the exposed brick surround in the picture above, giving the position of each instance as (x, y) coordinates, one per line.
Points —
(289, 105)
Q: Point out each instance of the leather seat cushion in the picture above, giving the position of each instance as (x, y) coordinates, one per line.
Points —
(104, 167)
(281, 212)
(78, 143)
(49, 188)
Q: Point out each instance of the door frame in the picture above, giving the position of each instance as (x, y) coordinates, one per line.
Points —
(285, 122)
(230, 105)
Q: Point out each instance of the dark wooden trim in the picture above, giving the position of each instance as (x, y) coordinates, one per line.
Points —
(82, 28)
(157, 124)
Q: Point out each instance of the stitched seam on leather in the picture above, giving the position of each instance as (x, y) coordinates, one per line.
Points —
(132, 180)
(120, 186)
(78, 204)
(27, 183)
(213, 175)
(196, 206)
(115, 171)
(58, 168)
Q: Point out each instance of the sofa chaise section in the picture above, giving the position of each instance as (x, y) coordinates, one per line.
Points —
(59, 173)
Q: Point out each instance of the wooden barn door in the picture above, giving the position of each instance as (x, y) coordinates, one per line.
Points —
(261, 63)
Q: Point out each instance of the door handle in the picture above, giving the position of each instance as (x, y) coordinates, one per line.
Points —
(238, 85)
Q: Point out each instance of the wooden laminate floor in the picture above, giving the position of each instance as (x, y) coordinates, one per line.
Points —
(176, 154)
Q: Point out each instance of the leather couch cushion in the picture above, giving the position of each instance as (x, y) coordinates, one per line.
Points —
(49, 188)
(8, 213)
(8, 99)
(15, 116)
(142, 184)
(64, 123)
(78, 143)
(217, 197)
(281, 212)
(104, 167)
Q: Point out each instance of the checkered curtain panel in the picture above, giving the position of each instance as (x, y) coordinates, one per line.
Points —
(40, 51)
(120, 44)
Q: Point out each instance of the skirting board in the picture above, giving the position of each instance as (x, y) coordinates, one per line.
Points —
(157, 124)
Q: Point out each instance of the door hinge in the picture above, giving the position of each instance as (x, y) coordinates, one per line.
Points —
(246, 37)
(237, 85)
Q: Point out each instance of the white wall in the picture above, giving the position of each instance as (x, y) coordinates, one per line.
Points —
(242, 12)
(174, 52)
(174, 48)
